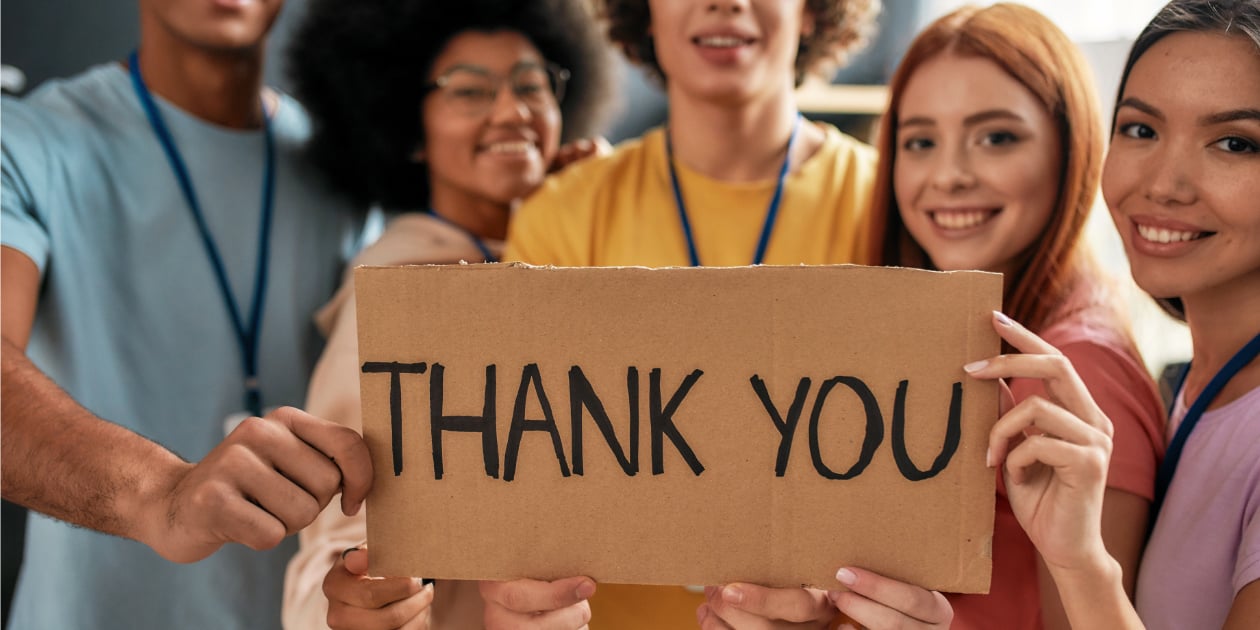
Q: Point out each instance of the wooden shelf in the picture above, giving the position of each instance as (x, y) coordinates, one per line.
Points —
(815, 96)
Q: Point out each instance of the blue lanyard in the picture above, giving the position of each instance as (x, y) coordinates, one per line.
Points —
(772, 213)
(247, 337)
(1163, 479)
(476, 240)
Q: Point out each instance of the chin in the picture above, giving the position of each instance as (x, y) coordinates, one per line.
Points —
(1159, 285)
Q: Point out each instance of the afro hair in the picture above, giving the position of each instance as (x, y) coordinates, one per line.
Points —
(358, 68)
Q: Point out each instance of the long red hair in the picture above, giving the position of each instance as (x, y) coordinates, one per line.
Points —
(1031, 49)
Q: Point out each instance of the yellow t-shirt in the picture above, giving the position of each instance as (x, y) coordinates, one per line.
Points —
(619, 210)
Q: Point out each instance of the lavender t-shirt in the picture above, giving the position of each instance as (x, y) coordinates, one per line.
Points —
(1206, 543)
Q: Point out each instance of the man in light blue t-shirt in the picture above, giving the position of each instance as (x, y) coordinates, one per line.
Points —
(164, 247)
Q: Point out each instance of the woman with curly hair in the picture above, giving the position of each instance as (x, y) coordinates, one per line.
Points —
(736, 177)
(452, 111)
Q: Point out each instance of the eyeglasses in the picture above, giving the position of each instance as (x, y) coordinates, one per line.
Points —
(472, 90)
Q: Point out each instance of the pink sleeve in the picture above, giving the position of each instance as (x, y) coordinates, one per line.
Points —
(1247, 570)
(1127, 395)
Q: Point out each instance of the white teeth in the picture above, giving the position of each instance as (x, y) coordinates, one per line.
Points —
(720, 41)
(1164, 235)
(520, 146)
(959, 220)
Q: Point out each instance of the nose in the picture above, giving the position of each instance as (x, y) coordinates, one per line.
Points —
(727, 6)
(508, 107)
(1170, 179)
(952, 172)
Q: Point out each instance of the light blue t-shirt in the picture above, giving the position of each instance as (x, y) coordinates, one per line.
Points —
(133, 325)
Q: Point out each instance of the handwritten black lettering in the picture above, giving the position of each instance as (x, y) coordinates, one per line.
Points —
(787, 428)
(874, 427)
(395, 370)
(953, 436)
(662, 421)
(483, 424)
(531, 377)
(582, 395)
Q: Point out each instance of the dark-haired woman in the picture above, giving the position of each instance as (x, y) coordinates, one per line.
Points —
(453, 111)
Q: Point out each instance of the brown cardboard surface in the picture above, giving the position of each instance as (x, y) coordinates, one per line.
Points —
(698, 351)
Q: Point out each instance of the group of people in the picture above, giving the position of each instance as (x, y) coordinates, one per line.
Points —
(149, 310)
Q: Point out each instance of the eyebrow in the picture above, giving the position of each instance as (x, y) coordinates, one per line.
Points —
(1246, 113)
(1230, 116)
(974, 119)
(1141, 106)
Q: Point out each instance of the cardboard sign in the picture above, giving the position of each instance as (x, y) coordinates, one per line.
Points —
(678, 426)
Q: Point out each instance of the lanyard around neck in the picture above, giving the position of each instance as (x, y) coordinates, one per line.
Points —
(1168, 467)
(772, 213)
(246, 335)
(476, 240)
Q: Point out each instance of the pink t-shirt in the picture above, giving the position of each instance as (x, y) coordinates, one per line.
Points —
(1206, 543)
(1119, 383)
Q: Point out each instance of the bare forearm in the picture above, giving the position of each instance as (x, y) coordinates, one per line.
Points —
(63, 461)
(1094, 597)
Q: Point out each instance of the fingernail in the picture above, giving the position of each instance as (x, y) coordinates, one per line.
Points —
(347, 552)
(988, 457)
(846, 577)
(585, 590)
(702, 613)
(1002, 318)
(976, 366)
(419, 582)
(733, 595)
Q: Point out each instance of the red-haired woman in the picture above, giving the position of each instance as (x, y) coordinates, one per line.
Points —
(990, 157)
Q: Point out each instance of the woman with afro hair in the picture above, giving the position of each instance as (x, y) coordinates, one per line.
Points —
(451, 112)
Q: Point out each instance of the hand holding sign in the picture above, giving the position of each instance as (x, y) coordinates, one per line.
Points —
(269, 478)
(752, 606)
(538, 605)
(1054, 452)
(878, 602)
(358, 601)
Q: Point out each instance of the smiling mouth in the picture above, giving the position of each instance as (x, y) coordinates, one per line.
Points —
(1165, 235)
(961, 219)
(721, 41)
(510, 148)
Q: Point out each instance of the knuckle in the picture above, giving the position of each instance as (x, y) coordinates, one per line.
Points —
(327, 482)
(307, 511)
(1059, 362)
(270, 536)
(1108, 429)
(331, 584)
(212, 497)
(1099, 459)
(380, 594)
(338, 617)
(394, 616)
(513, 599)
(252, 428)
(286, 411)
(584, 612)
(1040, 404)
